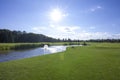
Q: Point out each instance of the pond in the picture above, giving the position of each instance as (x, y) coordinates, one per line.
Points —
(13, 55)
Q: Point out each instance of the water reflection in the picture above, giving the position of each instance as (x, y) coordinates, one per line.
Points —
(54, 49)
(13, 55)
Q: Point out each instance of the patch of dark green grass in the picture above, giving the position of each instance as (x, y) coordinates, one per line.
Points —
(19, 46)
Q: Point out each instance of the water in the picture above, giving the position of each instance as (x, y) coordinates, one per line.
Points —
(13, 55)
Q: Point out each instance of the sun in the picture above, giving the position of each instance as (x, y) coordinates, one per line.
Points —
(56, 15)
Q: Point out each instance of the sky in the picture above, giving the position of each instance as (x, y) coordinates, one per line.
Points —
(74, 19)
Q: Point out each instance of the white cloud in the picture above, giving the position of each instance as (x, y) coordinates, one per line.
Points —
(92, 9)
(95, 8)
(67, 29)
(57, 31)
(73, 32)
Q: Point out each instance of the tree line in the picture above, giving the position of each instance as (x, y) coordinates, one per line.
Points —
(104, 40)
(8, 36)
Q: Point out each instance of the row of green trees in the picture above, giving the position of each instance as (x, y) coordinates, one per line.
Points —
(104, 40)
(7, 36)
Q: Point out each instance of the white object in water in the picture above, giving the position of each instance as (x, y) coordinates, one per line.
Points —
(45, 47)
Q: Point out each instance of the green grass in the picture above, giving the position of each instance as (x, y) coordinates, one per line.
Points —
(21, 46)
(95, 62)
(18, 46)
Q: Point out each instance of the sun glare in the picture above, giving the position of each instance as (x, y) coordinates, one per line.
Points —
(56, 15)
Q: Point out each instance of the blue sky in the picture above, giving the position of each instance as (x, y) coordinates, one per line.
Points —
(81, 19)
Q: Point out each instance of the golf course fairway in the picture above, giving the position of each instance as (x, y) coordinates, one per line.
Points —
(97, 61)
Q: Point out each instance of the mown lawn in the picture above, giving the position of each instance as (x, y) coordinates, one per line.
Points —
(94, 62)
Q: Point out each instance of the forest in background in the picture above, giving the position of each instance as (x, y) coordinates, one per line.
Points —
(8, 36)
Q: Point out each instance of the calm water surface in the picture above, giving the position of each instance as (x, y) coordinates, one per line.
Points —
(13, 55)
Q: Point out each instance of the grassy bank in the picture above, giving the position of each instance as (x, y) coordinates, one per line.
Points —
(21, 46)
(94, 62)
